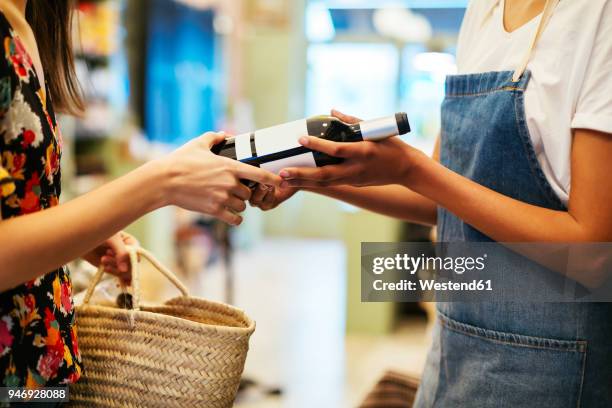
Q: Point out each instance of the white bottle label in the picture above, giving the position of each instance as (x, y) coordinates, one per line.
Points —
(243, 146)
(274, 140)
(280, 138)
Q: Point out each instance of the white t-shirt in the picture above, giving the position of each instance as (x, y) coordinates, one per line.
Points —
(571, 84)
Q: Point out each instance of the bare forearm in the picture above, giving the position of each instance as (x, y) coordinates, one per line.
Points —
(394, 201)
(35, 244)
(191, 177)
(495, 215)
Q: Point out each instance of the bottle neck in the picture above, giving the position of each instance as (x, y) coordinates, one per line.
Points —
(379, 129)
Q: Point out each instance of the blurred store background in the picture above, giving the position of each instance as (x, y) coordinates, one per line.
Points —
(159, 72)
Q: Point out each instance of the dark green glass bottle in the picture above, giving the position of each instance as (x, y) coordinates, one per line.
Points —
(277, 147)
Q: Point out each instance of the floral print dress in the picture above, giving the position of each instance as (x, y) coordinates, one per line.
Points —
(38, 343)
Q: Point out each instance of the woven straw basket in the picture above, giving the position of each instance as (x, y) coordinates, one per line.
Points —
(187, 352)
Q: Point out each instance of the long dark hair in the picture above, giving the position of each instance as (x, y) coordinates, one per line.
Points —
(51, 21)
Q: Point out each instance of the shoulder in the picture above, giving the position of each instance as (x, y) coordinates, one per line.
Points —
(479, 8)
(592, 31)
(583, 17)
(594, 106)
(477, 12)
(475, 15)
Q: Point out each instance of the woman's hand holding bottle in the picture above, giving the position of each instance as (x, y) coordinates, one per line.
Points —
(365, 164)
(198, 180)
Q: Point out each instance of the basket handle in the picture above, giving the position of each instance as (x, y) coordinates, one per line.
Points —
(134, 253)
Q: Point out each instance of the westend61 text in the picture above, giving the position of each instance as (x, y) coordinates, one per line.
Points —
(430, 284)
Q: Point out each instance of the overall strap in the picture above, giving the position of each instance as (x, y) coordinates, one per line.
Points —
(547, 13)
(549, 9)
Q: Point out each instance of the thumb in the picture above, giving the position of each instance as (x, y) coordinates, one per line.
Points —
(211, 139)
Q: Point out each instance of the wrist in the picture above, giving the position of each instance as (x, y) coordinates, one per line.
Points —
(415, 168)
(156, 180)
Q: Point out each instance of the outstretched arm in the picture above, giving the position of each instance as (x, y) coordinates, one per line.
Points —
(192, 178)
(504, 219)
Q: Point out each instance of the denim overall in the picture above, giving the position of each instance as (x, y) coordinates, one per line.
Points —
(509, 354)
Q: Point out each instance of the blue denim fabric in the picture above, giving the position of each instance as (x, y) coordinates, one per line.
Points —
(508, 354)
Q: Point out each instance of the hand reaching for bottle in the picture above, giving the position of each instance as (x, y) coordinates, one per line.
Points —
(198, 180)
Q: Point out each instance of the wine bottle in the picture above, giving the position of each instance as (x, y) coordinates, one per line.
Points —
(278, 147)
